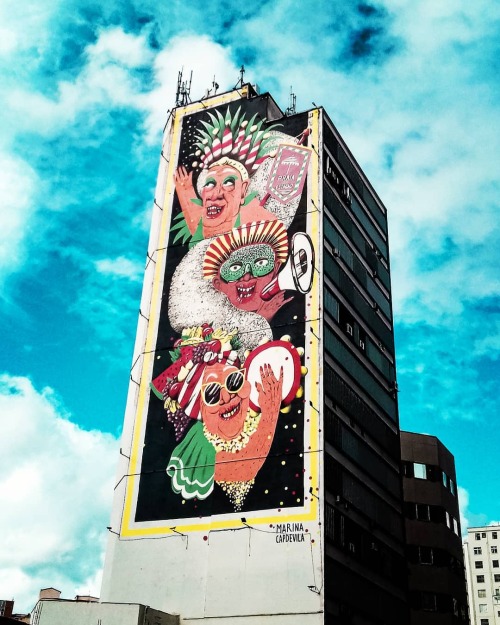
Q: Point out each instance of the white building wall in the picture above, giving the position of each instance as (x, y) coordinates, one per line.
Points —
(225, 568)
(482, 564)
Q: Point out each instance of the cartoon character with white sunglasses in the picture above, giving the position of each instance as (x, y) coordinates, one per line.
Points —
(235, 409)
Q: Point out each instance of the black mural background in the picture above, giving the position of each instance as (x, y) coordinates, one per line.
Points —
(280, 482)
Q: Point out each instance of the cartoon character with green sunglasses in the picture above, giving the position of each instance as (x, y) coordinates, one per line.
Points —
(242, 262)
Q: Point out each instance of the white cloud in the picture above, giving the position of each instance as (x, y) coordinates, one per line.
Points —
(25, 27)
(106, 80)
(463, 502)
(199, 54)
(120, 267)
(56, 485)
(18, 183)
(116, 46)
(107, 301)
(8, 41)
(489, 342)
(425, 131)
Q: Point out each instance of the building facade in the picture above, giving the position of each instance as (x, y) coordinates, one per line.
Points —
(6, 607)
(436, 569)
(482, 563)
(364, 533)
(259, 473)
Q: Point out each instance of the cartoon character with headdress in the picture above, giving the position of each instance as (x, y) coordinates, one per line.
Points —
(224, 412)
(244, 261)
(229, 149)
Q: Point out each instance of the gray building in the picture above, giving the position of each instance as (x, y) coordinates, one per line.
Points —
(364, 535)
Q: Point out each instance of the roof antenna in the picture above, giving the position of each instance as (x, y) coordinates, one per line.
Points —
(208, 92)
(240, 82)
(182, 96)
(292, 103)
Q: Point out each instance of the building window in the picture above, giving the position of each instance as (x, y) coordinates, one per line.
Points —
(478, 564)
(408, 469)
(455, 526)
(483, 607)
(362, 340)
(447, 518)
(485, 621)
(481, 593)
(445, 479)
(494, 564)
(420, 471)
(478, 536)
(452, 487)
(497, 577)
(494, 535)
(477, 551)
(425, 555)
(483, 534)
(480, 579)
(429, 601)
(423, 512)
(494, 549)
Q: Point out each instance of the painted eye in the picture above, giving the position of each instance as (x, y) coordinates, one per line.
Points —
(262, 262)
(229, 183)
(234, 381)
(209, 184)
(211, 393)
(235, 267)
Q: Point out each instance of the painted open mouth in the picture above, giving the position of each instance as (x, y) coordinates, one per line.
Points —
(244, 292)
(213, 211)
(230, 412)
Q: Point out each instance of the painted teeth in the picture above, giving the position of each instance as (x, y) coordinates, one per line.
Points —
(231, 413)
(245, 292)
(213, 210)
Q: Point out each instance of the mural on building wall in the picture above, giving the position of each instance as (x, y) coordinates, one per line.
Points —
(225, 424)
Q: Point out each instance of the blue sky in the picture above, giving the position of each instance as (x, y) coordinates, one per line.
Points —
(85, 90)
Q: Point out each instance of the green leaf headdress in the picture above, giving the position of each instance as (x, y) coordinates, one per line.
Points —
(234, 140)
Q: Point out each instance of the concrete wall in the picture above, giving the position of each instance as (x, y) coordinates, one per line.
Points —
(89, 613)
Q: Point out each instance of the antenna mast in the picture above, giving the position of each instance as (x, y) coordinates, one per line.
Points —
(292, 103)
(182, 96)
(241, 80)
(215, 87)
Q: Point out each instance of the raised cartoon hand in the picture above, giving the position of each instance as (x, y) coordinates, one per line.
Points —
(270, 391)
(270, 307)
(186, 193)
(183, 180)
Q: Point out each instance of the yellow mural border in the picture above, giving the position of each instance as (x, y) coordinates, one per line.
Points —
(129, 529)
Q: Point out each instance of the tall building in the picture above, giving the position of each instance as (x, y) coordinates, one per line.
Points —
(482, 563)
(259, 472)
(436, 568)
(364, 537)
